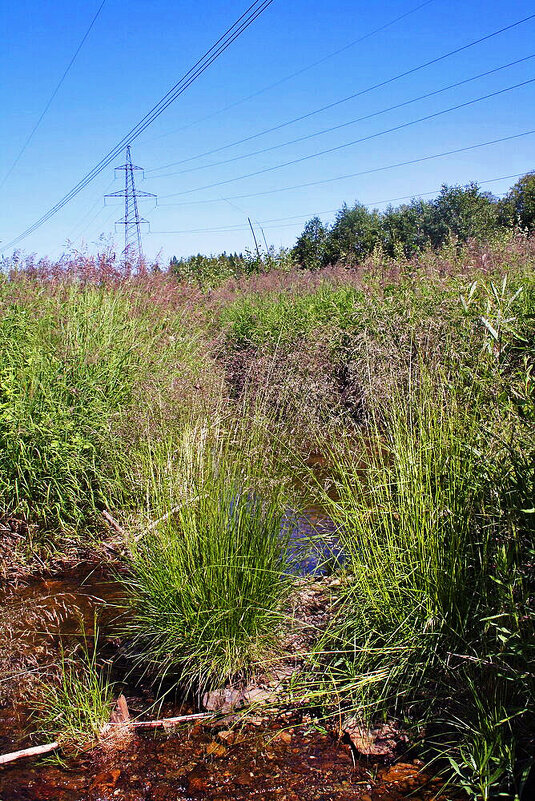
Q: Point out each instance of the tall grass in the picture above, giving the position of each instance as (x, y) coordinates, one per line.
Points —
(434, 625)
(78, 365)
(207, 583)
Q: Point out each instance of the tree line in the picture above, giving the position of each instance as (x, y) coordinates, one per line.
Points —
(458, 212)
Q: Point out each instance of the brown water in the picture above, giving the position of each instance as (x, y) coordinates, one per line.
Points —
(37, 620)
(67, 604)
(284, 760)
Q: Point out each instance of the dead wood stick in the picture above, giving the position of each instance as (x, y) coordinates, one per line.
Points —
(153, 724)
(113, 523)
(116, 527)
(168, 514)
(165, 516)
(28, 752)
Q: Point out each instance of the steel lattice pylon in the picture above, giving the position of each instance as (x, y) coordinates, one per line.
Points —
(132, 222)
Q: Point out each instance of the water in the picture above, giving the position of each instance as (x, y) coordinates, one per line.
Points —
(274, 759)
(314, 546)
(285, 759)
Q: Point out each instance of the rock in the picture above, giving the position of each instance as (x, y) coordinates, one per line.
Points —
(222, 700)
(402, 772)
(227, 735)
(256, 720)
(215, 749)
(257, 695)
(379, 740)
(105, 782)
(228, 698)
(283, 737)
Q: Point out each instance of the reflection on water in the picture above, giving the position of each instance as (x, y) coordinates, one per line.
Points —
(314, 545)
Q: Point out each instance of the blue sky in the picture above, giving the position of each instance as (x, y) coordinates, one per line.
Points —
(137, 50)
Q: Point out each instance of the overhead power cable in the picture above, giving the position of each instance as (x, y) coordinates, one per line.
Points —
(322, 181)
(230, 35)
(310, 215)
(350, 122)
(354, 141)
(85, 216)
(52, 96)
(294, 74)
(349, 97)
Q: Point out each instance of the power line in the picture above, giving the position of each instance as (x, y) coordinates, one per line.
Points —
(52, 96)
(354, 141)
(85, 228)
(361, 172)
(241, 227)
(294, 74)
(350, 122)
(85, 216)
(349, 97)
(231, 34)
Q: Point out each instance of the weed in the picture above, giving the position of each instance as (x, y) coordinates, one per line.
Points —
(74, 708)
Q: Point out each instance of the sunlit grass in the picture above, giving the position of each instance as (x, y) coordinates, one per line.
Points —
(434, 627)
(74, 707)
(208, 583)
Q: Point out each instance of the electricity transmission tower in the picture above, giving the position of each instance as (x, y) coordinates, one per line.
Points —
(132, 222)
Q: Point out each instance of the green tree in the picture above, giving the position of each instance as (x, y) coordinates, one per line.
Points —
(464, 212)
(407, 226)
(518, 207)
(310, 248)
(354, 235)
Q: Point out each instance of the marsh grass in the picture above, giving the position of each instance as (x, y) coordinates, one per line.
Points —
(74, 706)
(79, 365)
(207, 584)
(433, 625)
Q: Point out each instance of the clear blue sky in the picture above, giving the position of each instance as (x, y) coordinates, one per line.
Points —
(137, 50)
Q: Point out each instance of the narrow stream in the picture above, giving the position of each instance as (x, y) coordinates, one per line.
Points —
(285, 758)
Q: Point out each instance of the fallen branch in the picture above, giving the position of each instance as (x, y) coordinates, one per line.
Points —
(161, 519)
(141, 724)
(153, 724)
(168, 514)
(28, 752)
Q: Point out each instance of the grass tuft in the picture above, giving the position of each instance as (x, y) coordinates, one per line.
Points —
(207, 584)
(75, 708)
